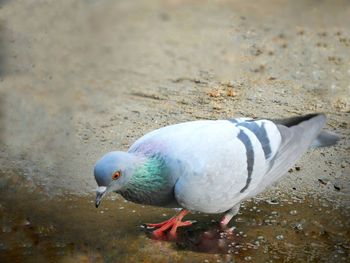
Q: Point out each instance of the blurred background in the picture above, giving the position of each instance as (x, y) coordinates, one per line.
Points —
(81, 78)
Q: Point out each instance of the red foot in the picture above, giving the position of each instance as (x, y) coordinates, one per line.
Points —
(172, 223)
(224, 222)
(224, 225)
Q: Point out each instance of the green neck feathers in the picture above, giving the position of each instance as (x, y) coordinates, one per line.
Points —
(149, 183)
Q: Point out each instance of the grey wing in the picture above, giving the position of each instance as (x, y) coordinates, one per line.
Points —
(264, 134)
(297, 136)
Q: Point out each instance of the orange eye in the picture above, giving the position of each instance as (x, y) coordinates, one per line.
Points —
(116, 175)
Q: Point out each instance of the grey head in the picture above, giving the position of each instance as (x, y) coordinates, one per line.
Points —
(112, 172)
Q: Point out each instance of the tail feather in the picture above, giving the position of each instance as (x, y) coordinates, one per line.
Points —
(324, 139)
(295, 120)
(297, 133)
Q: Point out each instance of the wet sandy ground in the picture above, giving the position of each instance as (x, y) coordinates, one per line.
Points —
(81, 78)
(284, 228)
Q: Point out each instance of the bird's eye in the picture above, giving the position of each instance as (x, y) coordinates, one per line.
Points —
(116, 175)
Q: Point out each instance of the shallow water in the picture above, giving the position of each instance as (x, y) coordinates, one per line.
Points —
(38, 228)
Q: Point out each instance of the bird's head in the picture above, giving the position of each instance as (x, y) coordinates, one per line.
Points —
(112, 172)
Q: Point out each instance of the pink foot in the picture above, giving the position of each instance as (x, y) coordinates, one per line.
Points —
(172, 224)
(224, 224)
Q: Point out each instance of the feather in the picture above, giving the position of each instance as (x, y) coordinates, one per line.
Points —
(296, 139)
(325, 139)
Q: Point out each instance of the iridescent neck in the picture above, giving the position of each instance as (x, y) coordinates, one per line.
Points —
(148, 182)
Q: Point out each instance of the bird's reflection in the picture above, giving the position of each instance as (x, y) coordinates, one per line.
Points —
(205, 238)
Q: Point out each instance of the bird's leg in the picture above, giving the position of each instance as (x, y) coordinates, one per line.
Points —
(172, 223)
(178, 222)
(228, 216)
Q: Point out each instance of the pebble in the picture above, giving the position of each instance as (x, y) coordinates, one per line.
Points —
(293, 212)
(248, 258)
(323, 181)
(272, 202)
(279, 237)
(26, 223)
(298, 226)
(337, 187)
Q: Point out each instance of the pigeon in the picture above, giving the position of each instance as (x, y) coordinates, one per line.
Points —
(208, 166)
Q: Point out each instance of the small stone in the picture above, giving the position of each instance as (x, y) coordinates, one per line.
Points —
(298, 226)
(337, 187)
(279, 237)
(231, 93)
(26, 222)
(272, 202)
(248, 258)
(214, 93)
(293, 212)
(323, 181)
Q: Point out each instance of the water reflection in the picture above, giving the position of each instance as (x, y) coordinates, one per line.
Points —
(204, 237)
(71, 229)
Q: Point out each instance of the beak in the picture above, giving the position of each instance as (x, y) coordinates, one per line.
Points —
(100, 192)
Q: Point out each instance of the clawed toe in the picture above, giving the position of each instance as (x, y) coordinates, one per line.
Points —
(156, 225)
(186, 223)
(172, 224)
